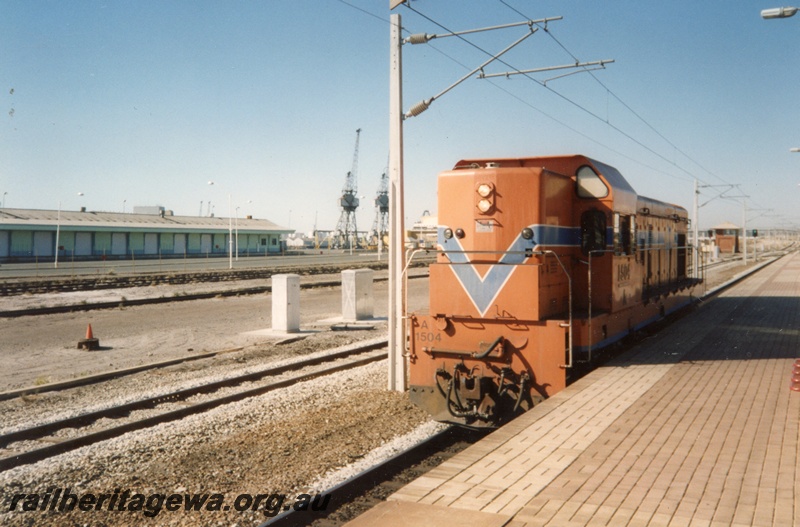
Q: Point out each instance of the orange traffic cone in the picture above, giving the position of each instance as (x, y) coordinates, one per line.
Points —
(89, 343)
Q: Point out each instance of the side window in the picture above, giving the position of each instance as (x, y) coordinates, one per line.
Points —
(623, 234)
(593, 231)
(632, 235)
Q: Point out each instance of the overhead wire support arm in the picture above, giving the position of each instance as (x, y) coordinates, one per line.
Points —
(424, 38)
(601, 63)
(425, 104)
(728, 188)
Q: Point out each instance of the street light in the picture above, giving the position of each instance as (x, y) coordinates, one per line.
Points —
(237, 229)
(58, 233)
(209, 203)
(778, 12)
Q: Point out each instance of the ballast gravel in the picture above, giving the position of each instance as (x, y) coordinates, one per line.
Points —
(297, 440)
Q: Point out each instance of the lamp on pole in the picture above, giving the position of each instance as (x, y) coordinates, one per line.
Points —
(230, 232)
(236, 229)
(778, 12)
(58, 233)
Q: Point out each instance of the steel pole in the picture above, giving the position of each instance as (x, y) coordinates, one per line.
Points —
(397, 337)
(58, 232)
(695, 229)
(744, 228)
(230, 232)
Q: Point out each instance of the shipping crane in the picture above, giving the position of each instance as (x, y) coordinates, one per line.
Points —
(380, 227)
(346, 234)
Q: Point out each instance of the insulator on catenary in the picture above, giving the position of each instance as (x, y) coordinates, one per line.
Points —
(418, 108)
(419, 38)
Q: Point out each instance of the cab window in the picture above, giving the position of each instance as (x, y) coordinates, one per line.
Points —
(589, 184)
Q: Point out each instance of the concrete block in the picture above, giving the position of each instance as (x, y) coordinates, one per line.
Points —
(357, 298)
(286, 303)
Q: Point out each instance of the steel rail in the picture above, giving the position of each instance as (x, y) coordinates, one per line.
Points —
(47, 429)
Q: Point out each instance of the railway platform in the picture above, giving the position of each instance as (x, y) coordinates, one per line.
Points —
(697, 426)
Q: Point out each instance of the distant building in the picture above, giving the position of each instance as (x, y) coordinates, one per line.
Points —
(30, 235)
(155, 210)
(726, 236)
(423, 234)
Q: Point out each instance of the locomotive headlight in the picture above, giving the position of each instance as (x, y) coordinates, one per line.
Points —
(527, 233)
(448, 233)
(485, 198)
(484, 205)
(459, 233)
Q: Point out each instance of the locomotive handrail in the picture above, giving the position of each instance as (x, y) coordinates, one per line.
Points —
(589, 288)
(527, 252)
(639, 248)
(569, 284)
(404, 276)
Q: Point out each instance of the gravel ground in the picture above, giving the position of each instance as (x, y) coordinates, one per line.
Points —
(280, 442)
(29, 410)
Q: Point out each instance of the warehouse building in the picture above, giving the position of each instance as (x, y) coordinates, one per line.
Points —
(33, 235)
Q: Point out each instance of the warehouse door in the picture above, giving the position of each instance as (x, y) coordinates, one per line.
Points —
(43, 243)
(205, 243)
(119, 243)
(83, 243)
(151, 243)
(180, 244)
(5, 244)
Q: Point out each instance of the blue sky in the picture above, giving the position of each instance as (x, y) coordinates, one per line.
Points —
(144, 102)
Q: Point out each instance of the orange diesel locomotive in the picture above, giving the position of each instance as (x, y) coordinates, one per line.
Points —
(540, 261)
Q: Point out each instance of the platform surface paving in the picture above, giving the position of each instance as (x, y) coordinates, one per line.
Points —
(696, 427)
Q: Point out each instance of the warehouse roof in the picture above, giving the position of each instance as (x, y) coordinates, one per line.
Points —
(31, 219)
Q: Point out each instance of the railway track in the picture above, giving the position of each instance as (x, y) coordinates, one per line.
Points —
(43, 434)
(373, 485)
(109, 375)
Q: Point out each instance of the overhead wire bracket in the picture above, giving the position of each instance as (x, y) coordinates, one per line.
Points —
(601, 63)
(425, 104)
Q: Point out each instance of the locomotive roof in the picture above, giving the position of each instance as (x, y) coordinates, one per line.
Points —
(623, 195)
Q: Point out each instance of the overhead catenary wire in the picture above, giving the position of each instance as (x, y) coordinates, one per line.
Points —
(623, 103)
(688, 175)
(566, 99)
(421, 106)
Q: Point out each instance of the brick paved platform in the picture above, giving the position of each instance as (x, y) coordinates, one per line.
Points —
(697, 427)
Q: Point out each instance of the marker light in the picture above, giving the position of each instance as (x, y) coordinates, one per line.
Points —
(448, 233)
(484, 205)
